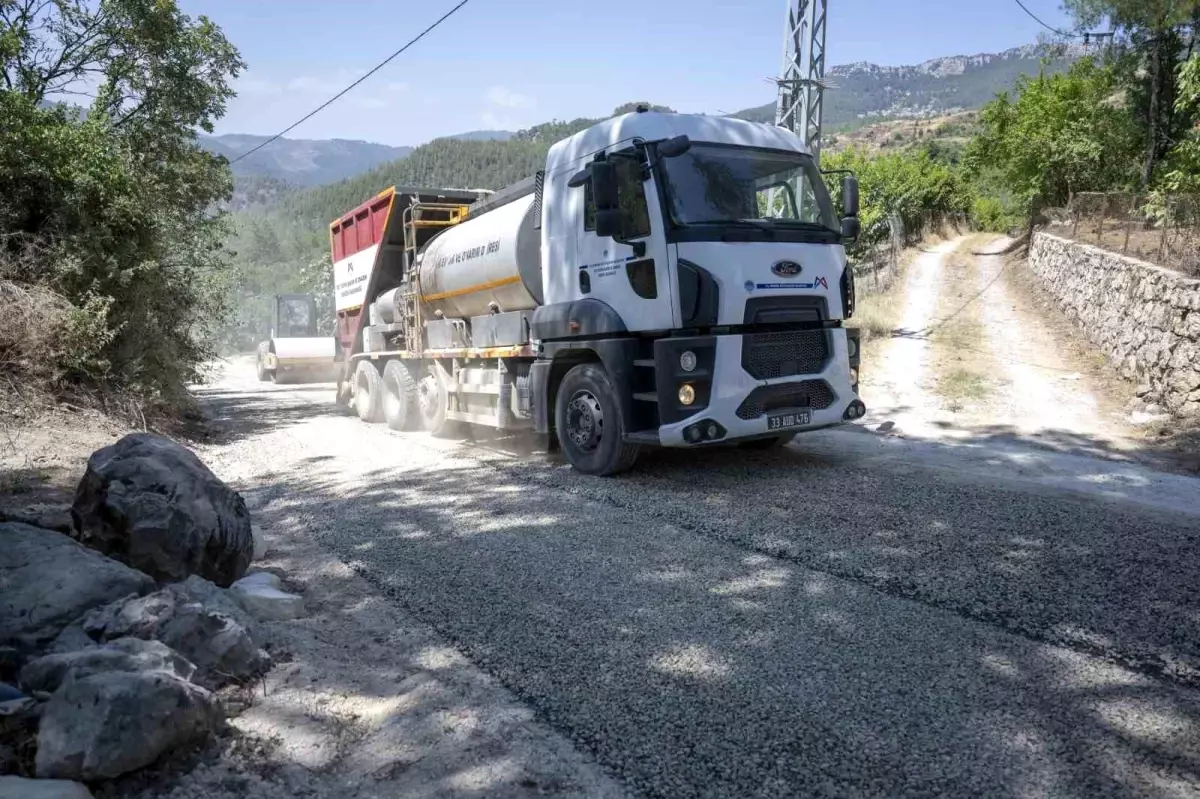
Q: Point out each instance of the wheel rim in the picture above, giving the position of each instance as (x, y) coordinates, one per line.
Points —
(585, 421)
(429, 395)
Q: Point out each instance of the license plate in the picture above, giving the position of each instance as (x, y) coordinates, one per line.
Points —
(783, 421)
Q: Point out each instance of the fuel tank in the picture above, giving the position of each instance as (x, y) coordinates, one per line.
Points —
(491, 262)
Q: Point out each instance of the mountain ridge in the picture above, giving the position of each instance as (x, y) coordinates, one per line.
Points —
(862, 91)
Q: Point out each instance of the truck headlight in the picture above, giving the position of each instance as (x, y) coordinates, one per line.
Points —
(687, 394)
(853, 376)
(851, 346)
(687, 361)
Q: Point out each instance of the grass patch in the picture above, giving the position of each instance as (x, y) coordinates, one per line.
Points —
(960, 386)
(961, 362)
(876, 317)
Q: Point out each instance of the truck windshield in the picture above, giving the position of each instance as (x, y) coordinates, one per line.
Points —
(295, 319)
(722, 185)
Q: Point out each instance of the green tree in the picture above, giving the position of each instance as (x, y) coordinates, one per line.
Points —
(118, 193)
(909, 185)
(1156, 31)
(1058, 135)
(1182, 171)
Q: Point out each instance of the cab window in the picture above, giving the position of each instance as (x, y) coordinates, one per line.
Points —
(631, 193)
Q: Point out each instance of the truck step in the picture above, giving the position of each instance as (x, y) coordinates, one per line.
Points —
(642, 437)
(646, 362)
(645, 396)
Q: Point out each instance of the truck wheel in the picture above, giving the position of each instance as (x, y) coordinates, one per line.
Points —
(432, 400)
(587, 416)
(368, 392)
(400, 405)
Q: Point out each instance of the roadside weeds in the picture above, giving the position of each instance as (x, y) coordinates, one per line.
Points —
(963, 372)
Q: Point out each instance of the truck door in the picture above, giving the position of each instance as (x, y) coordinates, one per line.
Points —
(632, 273)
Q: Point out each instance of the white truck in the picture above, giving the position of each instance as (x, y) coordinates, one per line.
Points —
(668, 279)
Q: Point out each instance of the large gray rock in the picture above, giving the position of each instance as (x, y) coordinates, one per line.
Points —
(213, 597)
(154, 505)
(47, 580)
(48, 516)
(108, 724)
(21, 788)
(262, 595)
(221, 648)
(124, 654)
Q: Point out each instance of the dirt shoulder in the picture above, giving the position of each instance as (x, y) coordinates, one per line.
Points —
(363, 700)
(979, 355)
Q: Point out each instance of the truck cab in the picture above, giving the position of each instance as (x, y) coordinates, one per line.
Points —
(695, 288)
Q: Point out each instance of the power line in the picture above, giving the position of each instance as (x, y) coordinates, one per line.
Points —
(337, 96)
(1043, 24)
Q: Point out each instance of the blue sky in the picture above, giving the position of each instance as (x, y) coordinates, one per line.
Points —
(513, 63)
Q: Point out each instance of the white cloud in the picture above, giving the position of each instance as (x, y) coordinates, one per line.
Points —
(257, 86)
(315, 84)
(368, 101)
(363, 96)
(498, 122)
(507, 98)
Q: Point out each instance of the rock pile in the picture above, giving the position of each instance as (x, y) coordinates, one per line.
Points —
(113, 639)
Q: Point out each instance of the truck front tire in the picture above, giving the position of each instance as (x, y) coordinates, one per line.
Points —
(587, 418)
(401, 408)
(368, 392)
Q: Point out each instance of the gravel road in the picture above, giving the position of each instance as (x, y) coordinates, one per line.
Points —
(807, 622)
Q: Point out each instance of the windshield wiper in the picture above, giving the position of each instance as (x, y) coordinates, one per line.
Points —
(797, 223)
(758, 224)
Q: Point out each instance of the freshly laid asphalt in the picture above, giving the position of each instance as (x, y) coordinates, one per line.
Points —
(777, 624)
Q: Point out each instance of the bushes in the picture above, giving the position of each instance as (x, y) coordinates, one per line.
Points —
(1057, 136)
(106, 220)
(911, 185)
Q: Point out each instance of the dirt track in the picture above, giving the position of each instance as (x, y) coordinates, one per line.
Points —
(856, 615)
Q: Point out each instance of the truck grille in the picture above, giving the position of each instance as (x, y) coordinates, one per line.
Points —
(815, 394)
(766, 356)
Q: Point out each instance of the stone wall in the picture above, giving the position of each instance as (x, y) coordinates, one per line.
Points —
(1145, 318)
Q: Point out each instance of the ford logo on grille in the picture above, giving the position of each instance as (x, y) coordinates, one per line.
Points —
(786, 268)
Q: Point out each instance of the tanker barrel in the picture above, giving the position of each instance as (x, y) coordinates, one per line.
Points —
(492, 259)
(387, 307)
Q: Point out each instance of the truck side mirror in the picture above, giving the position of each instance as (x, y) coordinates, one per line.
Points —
(580, 178)
(850, 228)
(604, 187)
(608, 223)
(850, 195)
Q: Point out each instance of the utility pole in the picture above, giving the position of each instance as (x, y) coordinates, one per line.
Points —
(801, 81)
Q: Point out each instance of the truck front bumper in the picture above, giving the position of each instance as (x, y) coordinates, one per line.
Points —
(731, 403)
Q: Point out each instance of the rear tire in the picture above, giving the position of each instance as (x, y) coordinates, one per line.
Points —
(264, 374)
(432, 401)
(591, 430)
(368, 392)
(401, 408)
